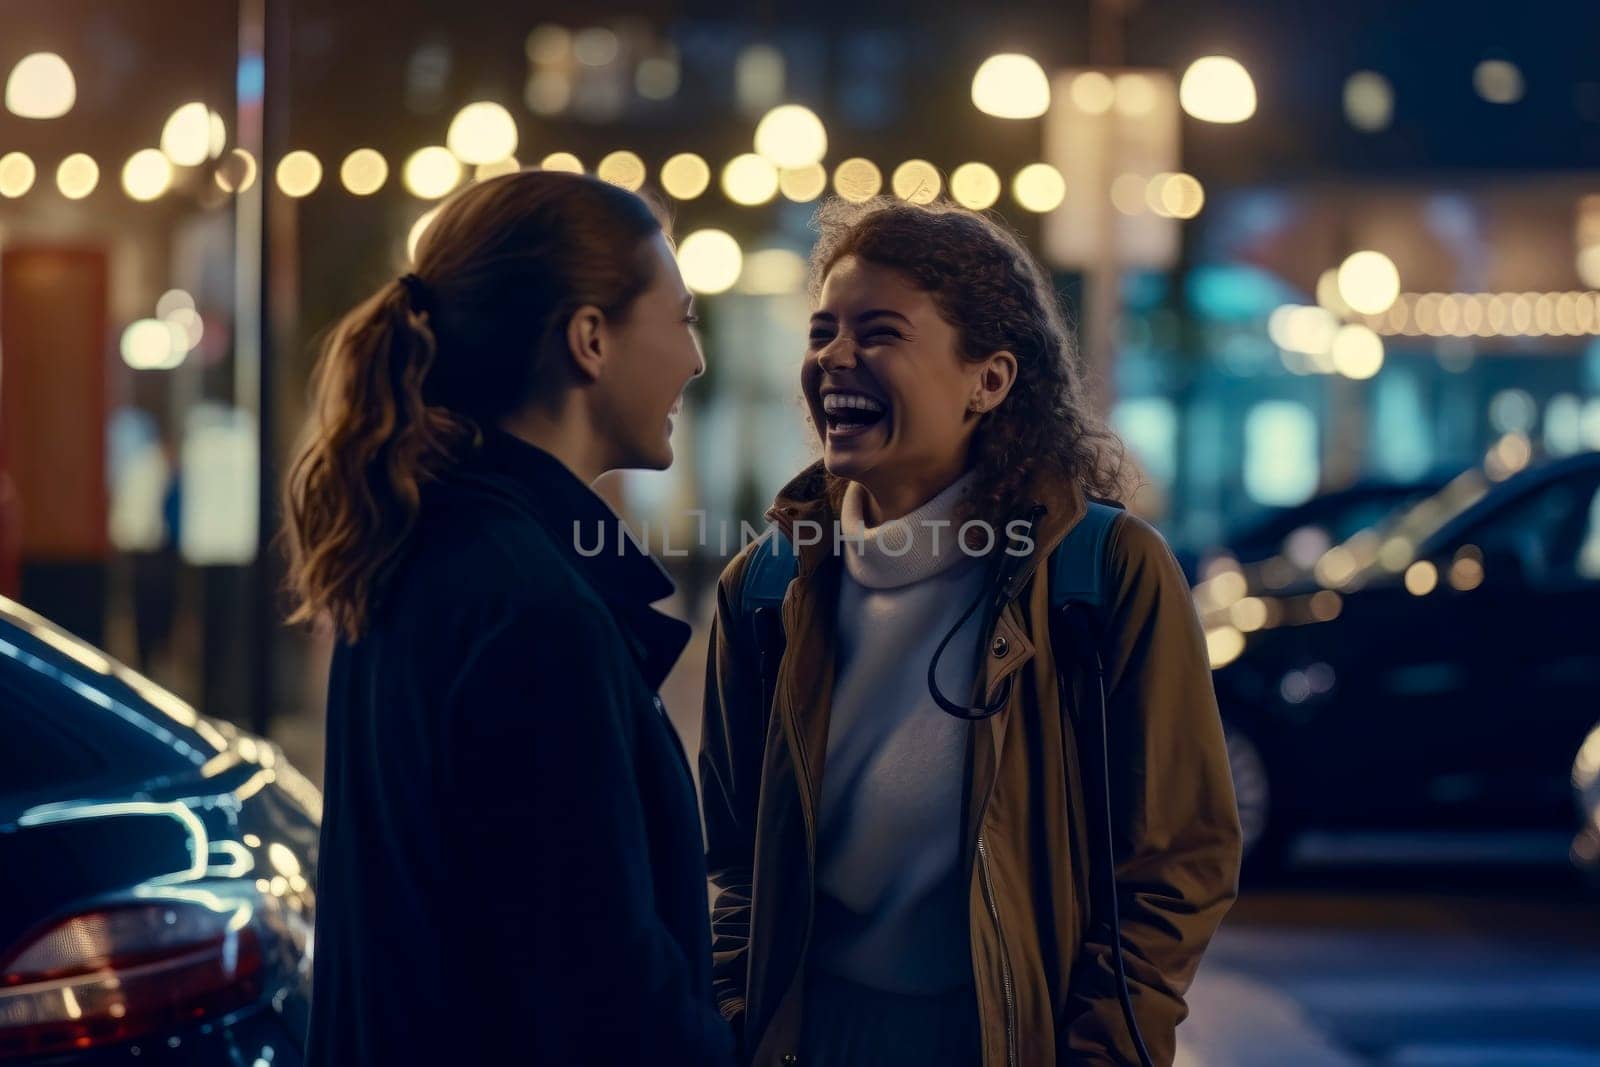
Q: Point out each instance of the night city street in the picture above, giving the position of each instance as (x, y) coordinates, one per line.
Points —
(1441, 966)
(799, 535)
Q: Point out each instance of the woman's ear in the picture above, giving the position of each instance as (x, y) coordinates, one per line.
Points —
(992, 382)
(586, 342)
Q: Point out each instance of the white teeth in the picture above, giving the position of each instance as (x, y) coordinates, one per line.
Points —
(836, 402)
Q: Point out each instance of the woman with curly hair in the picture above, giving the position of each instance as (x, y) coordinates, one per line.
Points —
(901, 806)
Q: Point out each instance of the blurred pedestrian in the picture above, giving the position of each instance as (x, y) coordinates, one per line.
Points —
(157, 565)
(901, 809)
(510, 869)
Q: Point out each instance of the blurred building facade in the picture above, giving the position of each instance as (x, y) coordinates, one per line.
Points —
(1374, 258)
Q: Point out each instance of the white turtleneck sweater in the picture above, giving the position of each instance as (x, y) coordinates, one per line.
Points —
(891, 902)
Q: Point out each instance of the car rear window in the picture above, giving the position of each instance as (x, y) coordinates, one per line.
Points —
(60, 731)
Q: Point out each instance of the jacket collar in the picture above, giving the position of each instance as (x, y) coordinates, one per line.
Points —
(625, 576)
(814, 496)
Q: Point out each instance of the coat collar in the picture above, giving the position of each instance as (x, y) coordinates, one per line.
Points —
(625, 576)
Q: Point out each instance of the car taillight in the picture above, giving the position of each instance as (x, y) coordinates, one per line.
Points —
(111, 975)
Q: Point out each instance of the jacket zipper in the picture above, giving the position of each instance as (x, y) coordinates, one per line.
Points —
(1005, 955)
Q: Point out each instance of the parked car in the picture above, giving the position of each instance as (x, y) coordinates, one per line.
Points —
(1586, 784)
(156, 869)
(1312, 527)
(1436, 672)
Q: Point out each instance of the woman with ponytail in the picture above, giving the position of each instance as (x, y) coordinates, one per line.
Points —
(510, 868)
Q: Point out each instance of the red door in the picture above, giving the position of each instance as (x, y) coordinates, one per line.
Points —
(54, 347)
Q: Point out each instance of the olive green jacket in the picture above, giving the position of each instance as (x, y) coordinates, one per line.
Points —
(1045, 983)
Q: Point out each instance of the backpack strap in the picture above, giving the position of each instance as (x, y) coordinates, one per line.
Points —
(1078, 565)
(773, 564)
(1079, 592)
(1076, 570)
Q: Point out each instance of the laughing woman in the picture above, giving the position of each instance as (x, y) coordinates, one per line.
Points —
(902, 853)
(510, 866)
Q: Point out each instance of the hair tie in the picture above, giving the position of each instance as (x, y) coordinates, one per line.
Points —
(416, 292)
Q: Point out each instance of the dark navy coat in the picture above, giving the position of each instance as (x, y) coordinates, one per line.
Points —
(511, 865)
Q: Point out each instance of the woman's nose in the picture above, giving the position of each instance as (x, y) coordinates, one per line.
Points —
(840, 354)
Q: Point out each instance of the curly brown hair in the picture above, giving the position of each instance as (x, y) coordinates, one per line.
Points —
(986, 284)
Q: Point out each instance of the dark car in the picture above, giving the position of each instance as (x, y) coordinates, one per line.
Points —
(1437, 672)
(1316, 525)
(156, 870)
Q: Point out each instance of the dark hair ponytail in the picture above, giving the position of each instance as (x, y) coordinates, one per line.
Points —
(409, 378)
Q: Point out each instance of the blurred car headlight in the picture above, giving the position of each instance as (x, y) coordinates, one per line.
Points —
(1586, 776)
(1586, 768)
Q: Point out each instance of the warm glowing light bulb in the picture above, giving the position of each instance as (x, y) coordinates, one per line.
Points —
(803, 184)
(1421, 578)
(1498, 81)
(622, 168)
(186, 136)
(710, 261)
(147, 174)
(1181, 196)
(1369, 282)
(1368, 101)
(1039, 187)
(857, 180)
(299, 173)
(750, 179)
(1357, 351)
(564, 162)
(975, 186)
(41, 86)
(685, 176)
(77, 176)
(364, 171)
(1011, 86)
(791, 136)
(1217, 89)
(17, 173)
(149, 344)
(237, 172)
(482, 132)
(431, 172)
(916, 181)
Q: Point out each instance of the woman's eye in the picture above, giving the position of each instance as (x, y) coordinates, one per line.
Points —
(819, 339)
(879, 335)
(692, 320)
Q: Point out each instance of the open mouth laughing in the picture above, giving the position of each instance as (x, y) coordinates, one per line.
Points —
(849, 413)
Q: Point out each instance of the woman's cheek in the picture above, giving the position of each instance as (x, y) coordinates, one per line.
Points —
(810, 371)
